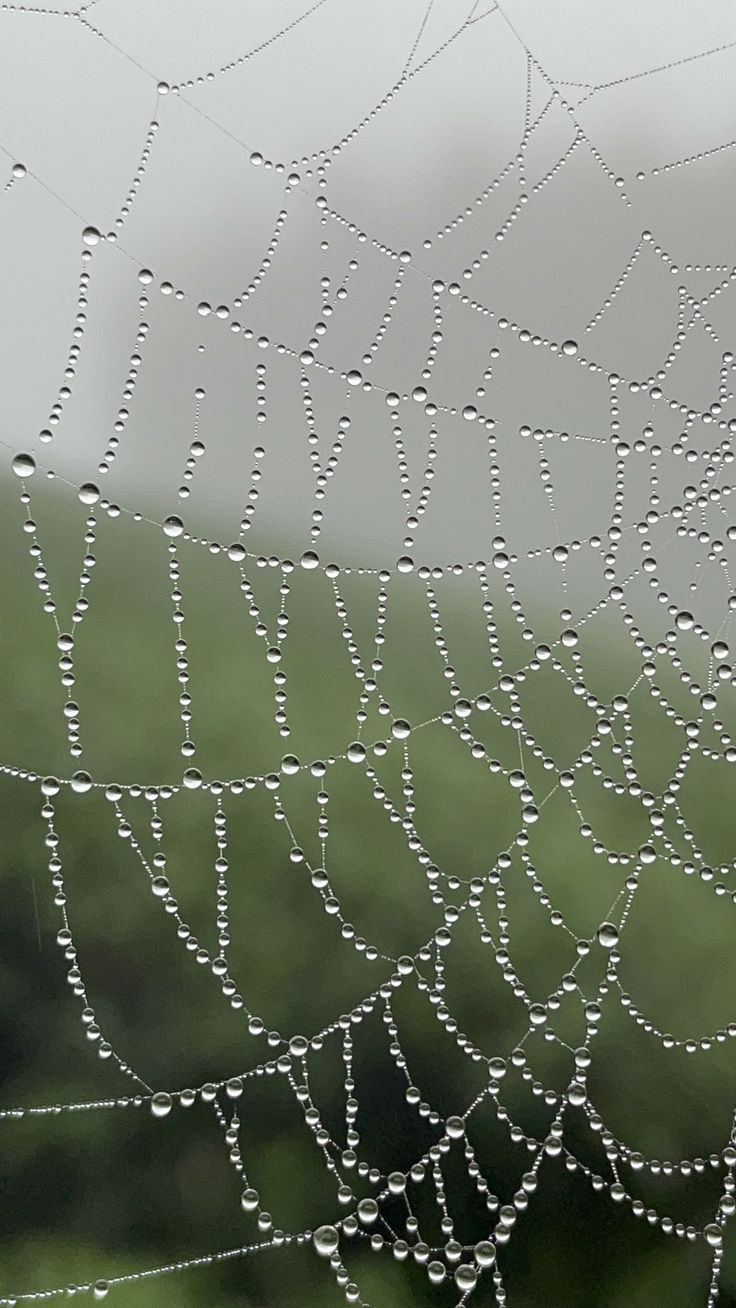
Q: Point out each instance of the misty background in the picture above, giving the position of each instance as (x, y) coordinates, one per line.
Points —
(171, 155)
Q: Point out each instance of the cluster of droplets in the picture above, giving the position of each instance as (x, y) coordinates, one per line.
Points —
(366, 1218)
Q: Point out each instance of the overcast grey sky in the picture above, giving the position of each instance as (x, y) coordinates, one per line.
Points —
(77, 97)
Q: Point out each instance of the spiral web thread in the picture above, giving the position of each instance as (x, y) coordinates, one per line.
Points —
(698, 514)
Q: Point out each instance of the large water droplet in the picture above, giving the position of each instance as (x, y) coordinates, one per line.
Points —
(485, 1253)
(161, 1104)
(607, 935)
(713, 1234)
(24, 465)
(465, 1277)
(326, 1240)
(368, 1211)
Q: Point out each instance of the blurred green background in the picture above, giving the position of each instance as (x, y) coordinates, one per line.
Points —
(110, 1192)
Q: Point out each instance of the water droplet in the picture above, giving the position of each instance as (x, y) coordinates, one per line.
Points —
(368, 1211)
(455, 1127)
(309, 560)
(161, 1104)
(356, 752)
(465, 1277)
(569, 347)
(607, 935)
(684, 620)
(100, 1289)
(713, 1234)
(173, 526)
(91, 236)
(81, 782)
(24, 465)
(249, 1200)
(89, 493)
(326, 1240)
(485, 1253)
(400, 729)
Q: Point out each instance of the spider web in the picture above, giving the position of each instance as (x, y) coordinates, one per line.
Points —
(532, 469)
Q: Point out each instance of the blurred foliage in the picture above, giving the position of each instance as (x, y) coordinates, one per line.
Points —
(108, 1192)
